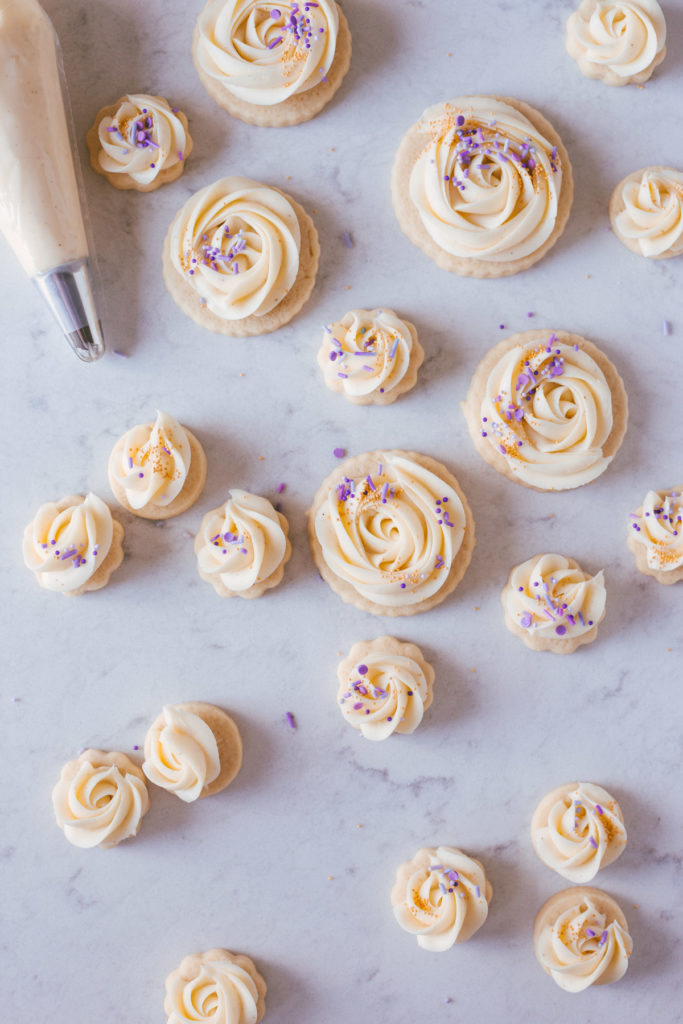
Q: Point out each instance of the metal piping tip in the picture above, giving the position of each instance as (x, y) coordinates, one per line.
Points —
(68, 292)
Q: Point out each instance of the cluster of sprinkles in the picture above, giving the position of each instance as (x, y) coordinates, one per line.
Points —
(234, 541)
(376, 346)
(669, 511)
(73, 552)
(449, 881)
(215, 258)
(294, 27)
(363, 689)
(551, 609)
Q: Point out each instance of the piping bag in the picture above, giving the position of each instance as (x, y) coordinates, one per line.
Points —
(40, 204)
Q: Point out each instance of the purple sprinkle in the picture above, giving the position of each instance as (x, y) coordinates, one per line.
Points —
(370, 483)
(339, 453)
(280, 488)
(180, 155)
(598, 808)
(358, 706)
(290, 720)
(274, 42)
(589, 931)
(362, 670)
(593, 843)
(560, 630)
(525, 620)
(392, 353)
(477, 891)
(460, 120)
(603, 938)
(666, 328)
(120, 354)
(347, 240)
(135, 746)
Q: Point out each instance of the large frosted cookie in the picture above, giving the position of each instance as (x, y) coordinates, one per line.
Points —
(656, 535)
(73, 545)
(581, 938)
(218, 987)
(240, 258)
(552, 604)
(139, 142)
(483, 185)
(391, 532)
(547, 409)
(578, 829)
(646, 212)
(269, 63)
(617, 41)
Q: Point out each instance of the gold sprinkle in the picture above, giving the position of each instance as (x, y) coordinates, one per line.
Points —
(359, 826)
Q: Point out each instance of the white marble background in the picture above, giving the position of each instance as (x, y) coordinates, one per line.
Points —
(293, 864)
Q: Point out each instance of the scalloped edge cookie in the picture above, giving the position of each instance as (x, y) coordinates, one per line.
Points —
(191, 965)
(226, 734)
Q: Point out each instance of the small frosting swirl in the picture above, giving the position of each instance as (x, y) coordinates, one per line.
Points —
(263, 52)
(577, 830)
(367, 355)
(652, 215)
(237, 244)
(387, 690)
(181, 753)
(142, 138)
(617, 40)
(547, 408)
(216, 987)
(582, 947)
(153, 462)
(392, 535)
(68, 541)
(242, 545)
(442, 896)
(657, 528)
(487, 185)
(551, 598)
(99, 800)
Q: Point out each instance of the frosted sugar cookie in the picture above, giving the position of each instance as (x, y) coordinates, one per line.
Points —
(483, 185)
(100, 799)
(73, 545)
(271, 64)
(384, 687)
(656, 535)
(581, 938)
(646, 212)
(139, 142)
(577, 829)
(242, 546)
(391, 532)
(441, 896)
(552, 604)
(157, 470)
(192, 750)
(240, 258)
(617, 41)
(547, 409)
(217, 987)
(370, 356)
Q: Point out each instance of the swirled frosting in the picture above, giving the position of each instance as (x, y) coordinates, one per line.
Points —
(154, 460)
(582, 947)
(549, 599)
(547, 409)
(658, 528)
(488, 183)
(617, 40)
(242, 543)
(387, 691)
(265, 52)
(142, 138)
(392, 535)
(367, 353)
(237, 244)
(442, 896)
(577, 830)
(220, 991)
(182, 754)
(652, 217)
(68, 541)
(98, 804)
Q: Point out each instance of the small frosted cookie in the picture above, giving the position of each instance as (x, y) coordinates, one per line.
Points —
(240, 258)
(552, 604)
(217, 987)
(139, 142)
(391, 532)
(384, 687)
(617, 41)
(157, 470)
(483, 185)
(242, 546)
(547, 409)
(271, 63)
(73, 545)
(577, 829)
(441, 896)
(656, 535)
(646, 212)
(100, 799)
(192, 750)
(581, 938)
(370, 356)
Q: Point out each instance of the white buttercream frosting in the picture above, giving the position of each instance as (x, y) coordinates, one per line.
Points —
(142, 138)
(367, 353)
(657, 527)
(487, 185)
(219, 991)
(181, 754)
(153, 462)
(578, 831)
(583, 947)
(98, 804)
(553, 600)
(652, 216)
(617, 39)
(68, 541)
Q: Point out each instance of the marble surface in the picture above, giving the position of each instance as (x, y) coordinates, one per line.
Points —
(293, 864)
